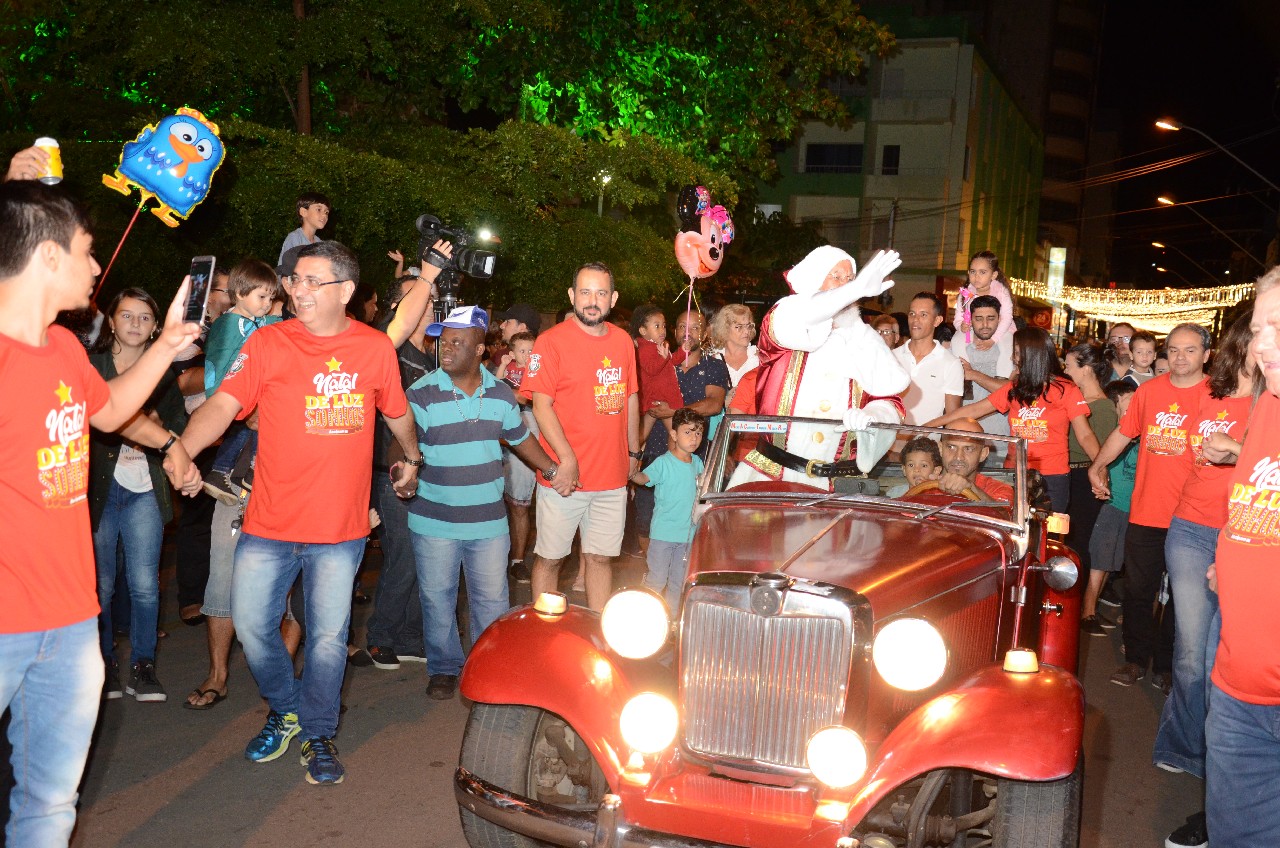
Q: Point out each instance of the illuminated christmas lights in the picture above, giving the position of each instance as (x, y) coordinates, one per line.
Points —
(1153, 309)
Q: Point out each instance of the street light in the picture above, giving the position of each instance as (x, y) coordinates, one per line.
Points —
(1167, 271)
(1203, 270)
(1165, 200)
(605, 178)
(1175, 126)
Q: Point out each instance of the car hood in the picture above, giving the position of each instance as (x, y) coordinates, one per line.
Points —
(893, 559)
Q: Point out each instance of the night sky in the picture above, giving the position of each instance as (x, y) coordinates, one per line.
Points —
(1213, 66)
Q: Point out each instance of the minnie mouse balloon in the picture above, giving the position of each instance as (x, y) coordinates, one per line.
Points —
(700, 246)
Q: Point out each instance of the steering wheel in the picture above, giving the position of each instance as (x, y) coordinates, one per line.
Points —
(930, 485)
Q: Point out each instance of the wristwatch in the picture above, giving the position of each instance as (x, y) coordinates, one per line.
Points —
(636, 454)
(549, 473)
(417, 463)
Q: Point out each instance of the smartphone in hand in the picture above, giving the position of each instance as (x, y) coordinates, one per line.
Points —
(201, 282)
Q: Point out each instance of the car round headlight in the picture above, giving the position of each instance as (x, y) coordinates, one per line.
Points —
(635, 624)
(836, 756)
(909, 654)
(649, 722)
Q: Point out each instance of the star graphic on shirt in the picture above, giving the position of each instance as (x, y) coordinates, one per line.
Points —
(333, 364)
(605, 362)
(1173, 407)
(63, 392)
(1222, 416)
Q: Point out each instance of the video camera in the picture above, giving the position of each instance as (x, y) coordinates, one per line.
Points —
(467, 261)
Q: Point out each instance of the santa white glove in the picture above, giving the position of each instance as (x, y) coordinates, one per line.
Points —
(854, 419)
(871, 280)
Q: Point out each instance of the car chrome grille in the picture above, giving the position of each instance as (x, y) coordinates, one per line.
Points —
(753, 687)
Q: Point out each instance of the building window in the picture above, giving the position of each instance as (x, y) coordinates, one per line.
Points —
(833, 159)
(890, 155)
(962, 237)
(893, 82)
(967, 152)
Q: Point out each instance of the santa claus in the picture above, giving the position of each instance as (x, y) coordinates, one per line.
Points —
(818, 359)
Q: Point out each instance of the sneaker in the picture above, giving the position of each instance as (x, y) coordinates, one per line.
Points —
(1163, 681)
(412, 656)
(1128, 674)
(441, 687)
(1091, 625)
(1106, 623)
(1170, 767)
(359, 657)
(1193, 834)
(1109, 597)
(274, 738)
(111, 690)
(384, 658)
(143, 684)
(320, 756)
(519, 571)
(219, 487)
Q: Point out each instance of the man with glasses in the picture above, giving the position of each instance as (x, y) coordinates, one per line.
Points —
(887, 327)
(315, 383)
(1118, 346)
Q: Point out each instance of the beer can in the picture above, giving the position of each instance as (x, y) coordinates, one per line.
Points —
(53, 173)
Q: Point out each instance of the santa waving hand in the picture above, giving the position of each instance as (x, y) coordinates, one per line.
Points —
(818, 359)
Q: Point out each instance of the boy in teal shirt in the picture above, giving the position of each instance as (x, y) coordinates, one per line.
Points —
(674, 478)
(1106, 545)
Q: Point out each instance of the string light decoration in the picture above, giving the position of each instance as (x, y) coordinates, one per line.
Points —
(1158, 310)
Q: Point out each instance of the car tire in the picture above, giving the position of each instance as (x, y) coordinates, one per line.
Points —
(1038, 814)
(498, 746)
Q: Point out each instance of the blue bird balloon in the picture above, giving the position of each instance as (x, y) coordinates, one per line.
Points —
(173, 161)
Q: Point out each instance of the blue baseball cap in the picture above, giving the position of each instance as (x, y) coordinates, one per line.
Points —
(460, 319)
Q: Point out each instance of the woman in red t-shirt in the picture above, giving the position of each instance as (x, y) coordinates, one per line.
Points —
(1041, 405)
(1190, 545)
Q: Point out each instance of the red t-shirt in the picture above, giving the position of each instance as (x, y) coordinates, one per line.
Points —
(515, 375)
(316, 397)
(1248, 562)
(589, 379)
(1044, 423)
(994, 489)
(1160, 417)
(47, 576)
(1204, 495)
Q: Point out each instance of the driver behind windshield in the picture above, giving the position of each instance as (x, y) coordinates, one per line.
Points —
(962, 457)
(921, 461)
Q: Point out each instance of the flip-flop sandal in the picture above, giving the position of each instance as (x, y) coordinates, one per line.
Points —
(218, 698)
(192, 620)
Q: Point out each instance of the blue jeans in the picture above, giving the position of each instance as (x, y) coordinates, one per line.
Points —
(668, 562)
(264, 571)
(1242, 772)
(51, 681)
(1188, 553)
(484, 562)
(396, 622)
(134, 519)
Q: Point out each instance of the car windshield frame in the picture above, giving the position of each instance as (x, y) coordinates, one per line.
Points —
(718, 454)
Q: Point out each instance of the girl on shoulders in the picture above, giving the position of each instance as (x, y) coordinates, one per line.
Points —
(985, 278)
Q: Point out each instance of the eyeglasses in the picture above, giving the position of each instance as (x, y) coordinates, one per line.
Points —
(751, 327)
(313, 284)
(1119, 339)
(887, 332)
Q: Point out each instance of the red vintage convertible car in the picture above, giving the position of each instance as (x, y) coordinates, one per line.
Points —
(846, 669)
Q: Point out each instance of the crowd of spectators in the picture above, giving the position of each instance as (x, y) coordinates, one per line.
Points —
(447, 432)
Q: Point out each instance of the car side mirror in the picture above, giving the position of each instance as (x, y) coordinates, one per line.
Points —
(1060, 573)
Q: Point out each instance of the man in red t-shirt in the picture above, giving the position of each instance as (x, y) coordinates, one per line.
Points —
(51, 667)
(316, 383)
(1158, 416)
(1242, 766)
(582, 379)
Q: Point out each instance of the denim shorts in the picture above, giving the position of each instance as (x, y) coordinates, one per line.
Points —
(1106, 546)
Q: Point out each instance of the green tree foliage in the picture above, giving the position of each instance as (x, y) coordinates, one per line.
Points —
(653, 94)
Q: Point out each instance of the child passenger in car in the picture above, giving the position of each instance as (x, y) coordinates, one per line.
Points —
(921, 460)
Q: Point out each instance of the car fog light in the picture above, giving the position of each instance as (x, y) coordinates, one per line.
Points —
(836, 756)
(909, 654)
(635, 624)
(649, 723)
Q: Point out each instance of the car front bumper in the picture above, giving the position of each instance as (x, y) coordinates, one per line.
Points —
(604, 828)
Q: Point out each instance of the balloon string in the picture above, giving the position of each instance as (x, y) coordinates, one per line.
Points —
(103, 278)
(691, 300)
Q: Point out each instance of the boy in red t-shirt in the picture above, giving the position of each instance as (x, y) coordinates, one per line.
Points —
(657, 363)
(50, 661)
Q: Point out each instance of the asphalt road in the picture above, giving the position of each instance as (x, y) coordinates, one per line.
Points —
(160, 775)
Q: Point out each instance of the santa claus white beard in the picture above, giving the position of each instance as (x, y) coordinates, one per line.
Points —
(850, 316)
